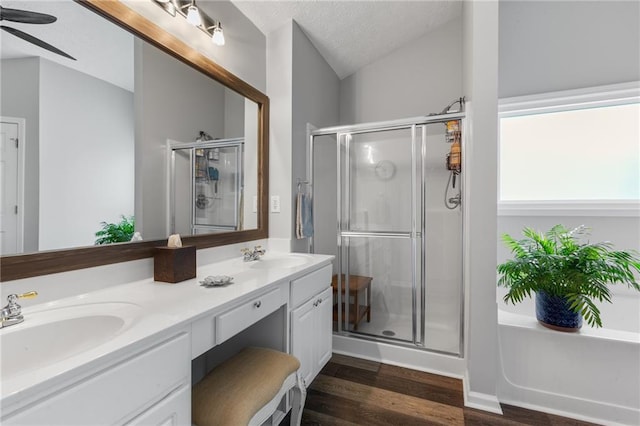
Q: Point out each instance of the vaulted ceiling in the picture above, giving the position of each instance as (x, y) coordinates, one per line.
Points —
(351, 34)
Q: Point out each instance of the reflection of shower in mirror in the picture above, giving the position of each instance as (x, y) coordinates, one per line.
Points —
(205, 185)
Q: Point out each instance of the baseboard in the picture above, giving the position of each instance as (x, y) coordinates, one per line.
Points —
(480, 401)
(415, 359)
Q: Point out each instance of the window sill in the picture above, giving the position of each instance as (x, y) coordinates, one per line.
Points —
(570, 208)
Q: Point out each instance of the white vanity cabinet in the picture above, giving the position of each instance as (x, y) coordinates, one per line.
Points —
(312, 321)
(149, 387)
(143, 374)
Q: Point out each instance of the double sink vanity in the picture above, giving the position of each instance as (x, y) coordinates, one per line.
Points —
(128, 354)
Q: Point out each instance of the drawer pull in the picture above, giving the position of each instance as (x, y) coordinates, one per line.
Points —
(257, 304)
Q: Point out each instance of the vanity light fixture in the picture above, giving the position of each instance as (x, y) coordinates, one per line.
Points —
(193, 14)
(188, 10)
(218, 36)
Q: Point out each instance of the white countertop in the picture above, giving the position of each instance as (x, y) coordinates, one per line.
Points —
(149, 309)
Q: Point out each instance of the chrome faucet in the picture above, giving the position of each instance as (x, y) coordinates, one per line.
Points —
(12, 313)
(251, 255)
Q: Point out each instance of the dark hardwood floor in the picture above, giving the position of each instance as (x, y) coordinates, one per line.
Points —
(351, 391)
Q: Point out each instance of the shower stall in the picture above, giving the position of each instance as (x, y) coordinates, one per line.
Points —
(387, 204)
(205, 186)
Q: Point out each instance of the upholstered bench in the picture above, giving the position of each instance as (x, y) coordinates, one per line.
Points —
(247, 389)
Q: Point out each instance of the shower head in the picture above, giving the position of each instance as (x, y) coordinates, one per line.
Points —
(447, 109)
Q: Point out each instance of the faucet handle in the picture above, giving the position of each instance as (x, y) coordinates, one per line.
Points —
(28, 295)
(12, 298)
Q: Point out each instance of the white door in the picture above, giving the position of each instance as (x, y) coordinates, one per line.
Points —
(9, 173)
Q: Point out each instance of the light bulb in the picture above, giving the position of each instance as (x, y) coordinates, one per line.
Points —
(193, 15)
(218, 36)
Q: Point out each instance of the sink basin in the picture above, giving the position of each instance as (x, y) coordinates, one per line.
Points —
(289, 261)
(52, 335)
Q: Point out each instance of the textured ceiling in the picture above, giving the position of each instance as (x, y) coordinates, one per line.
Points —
(351, 34)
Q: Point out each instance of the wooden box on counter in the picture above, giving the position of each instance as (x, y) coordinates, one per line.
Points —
(174, 264)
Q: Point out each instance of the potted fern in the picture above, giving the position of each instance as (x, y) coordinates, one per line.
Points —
(116, 232)
(566, 275)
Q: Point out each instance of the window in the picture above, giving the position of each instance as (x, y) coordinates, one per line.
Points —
(571, 150)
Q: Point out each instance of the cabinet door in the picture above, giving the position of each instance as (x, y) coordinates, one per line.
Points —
(117, 393)
(175, 410)
(303, 338)
(323, 329)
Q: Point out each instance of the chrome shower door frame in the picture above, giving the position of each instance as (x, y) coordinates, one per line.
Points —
(418, 230)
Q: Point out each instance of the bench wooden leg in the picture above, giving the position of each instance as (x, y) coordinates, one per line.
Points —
(297, 401)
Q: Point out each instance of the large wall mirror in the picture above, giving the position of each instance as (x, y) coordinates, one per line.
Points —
(108, 118)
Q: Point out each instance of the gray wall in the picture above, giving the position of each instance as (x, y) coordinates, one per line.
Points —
(550, 46)
(558, 45)
(161, 110)
(86, 155)
(315, 101)
(244, 52)
(78, 152)
(279, 89)
(20, 99)
(303, 89)
(421, 77)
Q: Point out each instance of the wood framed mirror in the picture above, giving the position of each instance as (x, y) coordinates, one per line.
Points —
(18, 266)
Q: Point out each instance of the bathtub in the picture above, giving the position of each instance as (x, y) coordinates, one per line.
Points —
(592, 375)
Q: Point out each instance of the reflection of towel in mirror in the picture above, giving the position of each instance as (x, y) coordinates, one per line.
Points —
(304, 216)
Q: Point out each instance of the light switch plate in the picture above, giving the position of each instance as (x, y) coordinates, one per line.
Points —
(275, 204)
(255, 204)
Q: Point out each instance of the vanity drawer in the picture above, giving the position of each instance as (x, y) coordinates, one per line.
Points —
(311, 284)
(116, 394)
(234, 321)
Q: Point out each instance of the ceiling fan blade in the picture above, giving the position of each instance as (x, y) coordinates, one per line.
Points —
(25, 16)
(36, 41)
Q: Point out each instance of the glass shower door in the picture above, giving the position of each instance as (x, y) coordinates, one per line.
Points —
(379, 285)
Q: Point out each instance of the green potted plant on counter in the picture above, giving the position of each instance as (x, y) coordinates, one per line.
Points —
(116, 232)
(566, 275)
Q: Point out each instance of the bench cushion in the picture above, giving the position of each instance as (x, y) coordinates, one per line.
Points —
(238, 388)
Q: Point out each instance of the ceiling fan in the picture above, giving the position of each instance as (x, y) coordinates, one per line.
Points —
(28, 17)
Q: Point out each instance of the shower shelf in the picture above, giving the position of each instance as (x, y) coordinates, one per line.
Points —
(357, 283)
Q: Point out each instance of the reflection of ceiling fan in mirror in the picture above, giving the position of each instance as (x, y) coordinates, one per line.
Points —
(29, 17)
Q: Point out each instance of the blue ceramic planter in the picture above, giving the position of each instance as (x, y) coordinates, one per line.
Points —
(553, 312)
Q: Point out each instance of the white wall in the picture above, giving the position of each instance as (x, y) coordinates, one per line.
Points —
(20, 88)
(421, 77)
(557, 45)
(480, 35)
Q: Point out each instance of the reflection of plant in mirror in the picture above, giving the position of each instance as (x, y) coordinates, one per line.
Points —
(116, 232)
